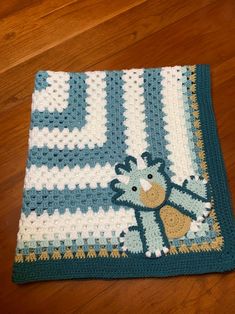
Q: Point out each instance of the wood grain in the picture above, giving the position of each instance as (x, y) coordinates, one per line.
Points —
(74, 35)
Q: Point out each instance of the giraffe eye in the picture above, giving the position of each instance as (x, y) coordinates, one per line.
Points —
(150, 176)
(134, 188)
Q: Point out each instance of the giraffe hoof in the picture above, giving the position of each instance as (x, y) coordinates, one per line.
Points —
(165, 250)
(158, 253)
(206, 213)
(208, 205)
(148, 254)
(200, 218)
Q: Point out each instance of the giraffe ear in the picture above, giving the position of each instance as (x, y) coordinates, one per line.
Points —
(160, 164)
(132, 165)
(121, 198)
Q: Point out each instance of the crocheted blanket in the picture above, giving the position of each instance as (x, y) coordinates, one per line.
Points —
(124, 178)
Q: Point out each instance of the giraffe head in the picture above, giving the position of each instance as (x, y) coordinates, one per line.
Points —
(141, 182)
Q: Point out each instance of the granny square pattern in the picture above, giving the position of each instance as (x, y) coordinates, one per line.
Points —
(124, 178)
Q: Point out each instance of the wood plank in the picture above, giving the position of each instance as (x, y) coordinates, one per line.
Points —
(8, 8)
(199, 295)
(33, 31)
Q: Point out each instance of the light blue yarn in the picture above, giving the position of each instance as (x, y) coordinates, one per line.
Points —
(113, 150)
(44, 199)
(186, 84)
(41, 80)
(74, 116)
(154, 116)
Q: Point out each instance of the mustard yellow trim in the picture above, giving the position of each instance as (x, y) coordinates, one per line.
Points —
(80, 254)
(197, 123)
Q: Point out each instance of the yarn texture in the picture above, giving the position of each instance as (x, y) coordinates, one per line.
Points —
(124, 178)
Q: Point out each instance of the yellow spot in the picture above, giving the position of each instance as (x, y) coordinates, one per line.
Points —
(216, 227)
(103, 252)
(192, 77)
(201, 155)
(44, 256)
(19, 258)
(56, 254)
(193, 88)
(68, 254)
(203, 165)
(80, 253)
(115, 253)
(217, 244)
(91, 252)
(212, 214)
(196, 114)
(183, 249)
(173, 250)
(196, 124)
(200, 144)
(195, 247)
(194, 105)
(205, 247)
(124, 254)
(198, 133)
(31, 257)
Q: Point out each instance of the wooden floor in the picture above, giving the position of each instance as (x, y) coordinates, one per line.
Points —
(70, 35)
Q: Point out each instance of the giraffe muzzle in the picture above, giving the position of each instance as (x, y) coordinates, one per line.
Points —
(151, 193)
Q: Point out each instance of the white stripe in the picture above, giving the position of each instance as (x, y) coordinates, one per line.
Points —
(55, 96)
(94, 131)
(173, 107)
(62, 226)
(134, 112)
(43, 177)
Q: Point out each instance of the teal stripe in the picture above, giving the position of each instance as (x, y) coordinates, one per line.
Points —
(154, 116)
(195, 139)
(41, 80)
(44, 199)
(108, 243)
(74, 116)
(114, 149)
(38, 246)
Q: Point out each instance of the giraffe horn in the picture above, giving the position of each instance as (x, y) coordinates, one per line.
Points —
(140, 163)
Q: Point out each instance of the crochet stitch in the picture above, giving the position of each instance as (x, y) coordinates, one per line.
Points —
(124, 178)
(144, 186)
